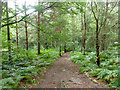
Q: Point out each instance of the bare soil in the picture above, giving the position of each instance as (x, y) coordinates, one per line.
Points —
(65, 74)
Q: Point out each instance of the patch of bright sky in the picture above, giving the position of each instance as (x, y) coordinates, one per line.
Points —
(20, 3)
(11, 3)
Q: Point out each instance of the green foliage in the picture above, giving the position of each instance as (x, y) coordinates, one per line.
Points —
(108, 72)
(25, 68)
(60, 24)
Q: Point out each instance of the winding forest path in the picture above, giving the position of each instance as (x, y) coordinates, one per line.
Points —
(65, 74)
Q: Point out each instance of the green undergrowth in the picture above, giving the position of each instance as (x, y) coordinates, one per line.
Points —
(25, 66)
(108, 70)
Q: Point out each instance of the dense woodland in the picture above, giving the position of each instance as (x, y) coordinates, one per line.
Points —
(32, 41)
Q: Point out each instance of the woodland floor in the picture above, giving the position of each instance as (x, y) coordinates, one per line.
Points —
(65, 74)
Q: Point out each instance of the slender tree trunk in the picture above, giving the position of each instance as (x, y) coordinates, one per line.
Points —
(38, 30)
(65, 48)
(16, 28)
(8, 33)
(97, 43)
(16, 33)
(103, 41)
(73, 46)
(104, 29)
(55, 28)
(26, 35)
(60, 51)
(56, 43)
(60, 43)
(84, 37)
(73, 34)
(65, 40)
(26, 32)
(97, 38)
(82, 33)
(44, 43)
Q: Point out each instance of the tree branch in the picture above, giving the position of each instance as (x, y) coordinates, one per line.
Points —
(113, 6)
(114, 25)
(93, 12)
(13, 16)
(26, 16)
(19, 20)
(107, 17)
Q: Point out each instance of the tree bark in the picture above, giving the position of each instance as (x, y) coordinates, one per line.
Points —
(16, 34)
(8, 33)
(73, 34)
(82, 33)
(97, 38)
(44, 43)
(65, 48)
(56, 43)
(55, 28)
(84, 39)
(38, 30)
(16, 28)
(60, 42)
(26, 32)
(97, 43)
(104, 29)
(60, 51)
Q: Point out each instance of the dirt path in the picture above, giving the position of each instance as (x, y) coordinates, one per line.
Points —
(65, 74)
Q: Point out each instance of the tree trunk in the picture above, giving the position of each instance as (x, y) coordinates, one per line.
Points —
(38, 30)
(82, 33)
(104, 30)
(97, 38)
(56, 43)
(16, 33)
(97, 44)
(8, 33)
(73, 34)
(55, 28)
(103, 41)
(84, 39)
(26, 35)
(16, 28)
(44, 43)
(65, 48)
(60, 51)
(26, 32)
(60, 42)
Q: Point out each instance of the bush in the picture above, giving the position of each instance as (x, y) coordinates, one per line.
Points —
(25, 68)
(108, 62)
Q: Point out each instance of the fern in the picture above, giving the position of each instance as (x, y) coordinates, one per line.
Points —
(109, 66)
